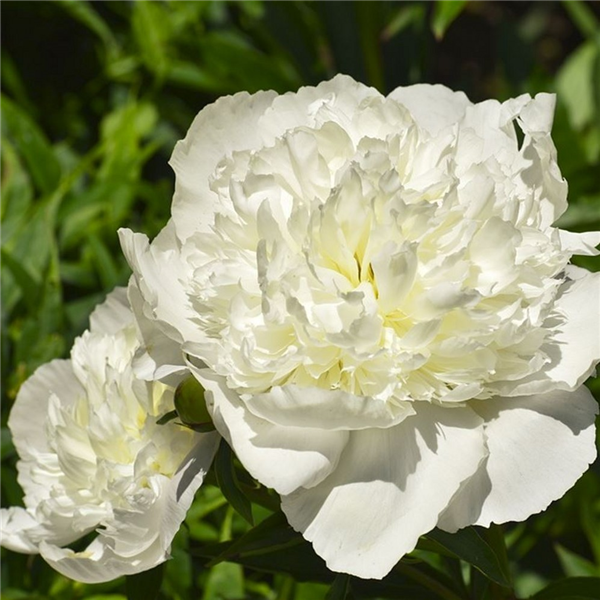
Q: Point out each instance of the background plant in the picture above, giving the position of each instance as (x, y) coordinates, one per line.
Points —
(94, 97)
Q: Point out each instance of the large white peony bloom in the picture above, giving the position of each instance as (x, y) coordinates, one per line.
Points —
(385, 320)
(92, 457)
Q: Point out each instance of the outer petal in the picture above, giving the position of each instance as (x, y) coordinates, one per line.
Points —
(28, 417)
(159, 301)
(291, 405)
(580, 243)
(138, 540)
(113, 314)
(19, 530)
(283, 458)
(161, 357)
(230, 124)
(579, 335)
(539, 446)
(434, 107)
(389, 488)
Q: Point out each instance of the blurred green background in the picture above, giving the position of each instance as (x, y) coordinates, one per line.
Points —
(94, 97)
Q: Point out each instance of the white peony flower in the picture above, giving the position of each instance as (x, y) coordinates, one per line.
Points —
(385, 320)
(92, 457)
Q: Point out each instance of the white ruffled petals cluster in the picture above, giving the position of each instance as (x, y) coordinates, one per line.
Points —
(94, 458)
(378, 259)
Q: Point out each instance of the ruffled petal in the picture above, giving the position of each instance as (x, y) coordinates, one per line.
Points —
(228, 125)
(578, 337)
(583, 244)
(138, 540)
(573, 347)
(158, 298)
(538, 446)
(337, 100)
(434, 107)
(389, 488)
(282, 458)
(161, 356)
(295, 406)
(28, 417)
(113, 314)
(20, 531)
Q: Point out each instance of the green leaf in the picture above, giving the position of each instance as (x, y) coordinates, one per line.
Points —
(583, 17)
(7, 447)
(229, 484)
(572, 588)
(146, 585)
(28, 283)
(188, 74)
(444, 13)
(84, 13)
(468, 545)
(17, 191)
(255, 9)
(576, 84)
(340, 588)
(270, 536)
(150, 27)
(574, 565)
(32, 145)
(12, 82)
(581, 215)
(273, 546)
(105, 263)
(404, 17)
(225, 582)
(230, 57)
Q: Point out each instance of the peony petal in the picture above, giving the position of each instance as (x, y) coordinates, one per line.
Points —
(434, 107)
(228, 125)
(158, 280)
(28, 417)
(138, 540)
(20, 531)
(389, 488)
(282, 458)
(539, 446)
(538, 148)
(580, 243)
(161, 357)
(574, 348)
(113, 314)
(295, 406)
(337, 100)
(579, 336)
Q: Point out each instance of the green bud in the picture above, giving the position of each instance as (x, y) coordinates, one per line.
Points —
(191, 407)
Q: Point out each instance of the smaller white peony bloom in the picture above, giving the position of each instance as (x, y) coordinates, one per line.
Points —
(374, 294)
(93, 458)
